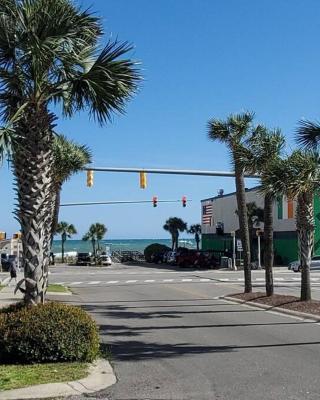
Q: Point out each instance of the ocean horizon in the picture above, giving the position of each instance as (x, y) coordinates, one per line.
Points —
(117, 244)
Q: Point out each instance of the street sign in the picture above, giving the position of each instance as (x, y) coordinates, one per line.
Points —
(239, 245)
(259, 232)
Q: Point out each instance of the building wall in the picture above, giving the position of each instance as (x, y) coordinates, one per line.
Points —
(285, 236)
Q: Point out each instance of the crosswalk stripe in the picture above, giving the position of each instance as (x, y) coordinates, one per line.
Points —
(94, 282)
(168, 280)
(112, 282)
(279, 279)
(240, 279)
(149, 280)
(133, 281)
(186, 280)
(259, 279)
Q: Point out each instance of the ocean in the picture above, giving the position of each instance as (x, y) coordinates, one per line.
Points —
(119, 244)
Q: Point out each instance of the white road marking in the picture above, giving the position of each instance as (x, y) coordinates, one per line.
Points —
(186, 280)
(112, 282)
(75, 283)
(133, 281)
(149, 280)
(224, 279)
(314, 279)
(279, 279)
(167, 280)
(240, 279)
(259, 279)
(94, 282)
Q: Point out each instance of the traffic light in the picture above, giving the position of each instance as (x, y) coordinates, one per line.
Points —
(155, 201)
(184, 201)
(89, 178)
(143, 180)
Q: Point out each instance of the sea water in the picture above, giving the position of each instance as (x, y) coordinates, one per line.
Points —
(81, 246)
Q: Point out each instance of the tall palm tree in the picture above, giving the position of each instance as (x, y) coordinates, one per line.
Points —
(49, 53)
(298, 177)
(175, 225)
(262, 148)
(95, 234)
(233, 133)
(196, 231)
(69, 158)
(66, 230)
(255, 216)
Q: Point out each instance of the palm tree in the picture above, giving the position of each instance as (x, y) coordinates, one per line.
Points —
(66, 230)
(49, 53)
(95, 234)
(69, 158)
(233, 133)
(196, 231)
(298, 177)
(175, 225)
(262, 148)
(255, 216)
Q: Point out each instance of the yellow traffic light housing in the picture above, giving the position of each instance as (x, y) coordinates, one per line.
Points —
(143, 180)
(90, 178)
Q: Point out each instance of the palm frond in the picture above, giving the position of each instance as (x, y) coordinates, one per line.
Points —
(308, 134)
(106, 86)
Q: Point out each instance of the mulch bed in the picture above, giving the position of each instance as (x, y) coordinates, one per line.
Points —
(283, 301)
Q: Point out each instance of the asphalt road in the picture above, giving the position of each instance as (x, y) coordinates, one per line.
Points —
(171, 337)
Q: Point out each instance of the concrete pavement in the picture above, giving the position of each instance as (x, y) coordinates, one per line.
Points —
(178, 340)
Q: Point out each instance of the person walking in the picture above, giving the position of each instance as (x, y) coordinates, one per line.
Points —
(12, 270)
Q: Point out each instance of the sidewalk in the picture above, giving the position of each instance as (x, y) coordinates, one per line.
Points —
(7, 295)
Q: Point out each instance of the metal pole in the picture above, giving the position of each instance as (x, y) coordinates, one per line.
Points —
(234, 253)
(169, 171)
(259, 255)
(89, 203)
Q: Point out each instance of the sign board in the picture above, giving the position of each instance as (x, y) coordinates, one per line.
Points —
(239, 245)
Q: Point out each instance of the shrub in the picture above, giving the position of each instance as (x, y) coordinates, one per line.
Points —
(49, 332)
(154, 248)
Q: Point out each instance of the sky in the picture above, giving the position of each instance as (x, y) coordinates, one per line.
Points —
(199, 59)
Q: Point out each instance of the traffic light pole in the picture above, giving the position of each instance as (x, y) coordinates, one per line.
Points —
(170, 171)
(91, 203)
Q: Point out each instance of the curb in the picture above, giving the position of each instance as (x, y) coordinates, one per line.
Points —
(313, 317)
(100, 377)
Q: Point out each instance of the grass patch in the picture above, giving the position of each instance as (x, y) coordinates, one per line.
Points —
(1, 287)
(58, 289)
(18, 376)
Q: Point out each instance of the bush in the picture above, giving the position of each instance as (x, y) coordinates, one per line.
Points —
(154, 248)
(48, 332)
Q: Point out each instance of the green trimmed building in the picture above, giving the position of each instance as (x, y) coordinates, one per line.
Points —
(219, 220)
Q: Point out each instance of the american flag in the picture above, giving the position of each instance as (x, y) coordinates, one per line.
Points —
(207, 218)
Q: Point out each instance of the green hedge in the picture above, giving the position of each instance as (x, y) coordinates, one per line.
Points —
(51, 332)
(154, 248)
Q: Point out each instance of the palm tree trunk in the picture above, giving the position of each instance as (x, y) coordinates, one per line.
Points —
(33, 166)
(62, 249)
(172, 241)
(268, 243)
(243, 224)
(305, 227)
(55, 219)
(197, 240)
(94, 250)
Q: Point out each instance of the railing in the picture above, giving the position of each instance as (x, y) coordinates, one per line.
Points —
(123, 256)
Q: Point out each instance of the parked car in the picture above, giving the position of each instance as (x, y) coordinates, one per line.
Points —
(206, 259)
(105, 260)
(84, 259)
(157, 258)
(187, 258)
(171, 258)
(295, 266)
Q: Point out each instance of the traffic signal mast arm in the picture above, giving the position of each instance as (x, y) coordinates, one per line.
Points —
(153, 201)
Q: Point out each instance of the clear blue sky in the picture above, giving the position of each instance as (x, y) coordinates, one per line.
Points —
(200, 58)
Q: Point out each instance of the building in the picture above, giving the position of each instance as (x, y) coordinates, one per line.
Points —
(219, 220)
(11, 246)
